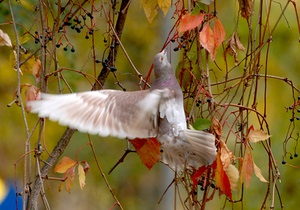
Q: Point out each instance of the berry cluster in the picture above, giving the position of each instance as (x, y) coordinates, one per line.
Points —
(182, 41)
(77, 23)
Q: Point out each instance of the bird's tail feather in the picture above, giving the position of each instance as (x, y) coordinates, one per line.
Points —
(192, 149)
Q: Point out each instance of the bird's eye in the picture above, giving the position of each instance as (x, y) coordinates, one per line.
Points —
(162, 58)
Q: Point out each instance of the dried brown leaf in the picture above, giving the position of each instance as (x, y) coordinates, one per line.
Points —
(226, 155)
(257, 136)
(258, 173)
(5, 39)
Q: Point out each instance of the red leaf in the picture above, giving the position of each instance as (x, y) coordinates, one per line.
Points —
(195, 176)
(190, 21)
(221, 178)
(148, 150)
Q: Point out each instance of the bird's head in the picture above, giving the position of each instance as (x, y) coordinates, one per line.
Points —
(161, 65)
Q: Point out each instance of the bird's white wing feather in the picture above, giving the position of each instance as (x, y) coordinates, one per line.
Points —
(105, 112)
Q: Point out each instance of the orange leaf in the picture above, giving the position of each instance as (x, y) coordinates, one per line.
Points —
(247, 167)
(64, 164)
(210, 39)
(148, 150)
(221, 178)
(219, 33)
(206, 38)
(81, 176)
(190, 21)
(69, 175)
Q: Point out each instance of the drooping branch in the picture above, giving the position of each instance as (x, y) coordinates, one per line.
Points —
(66, 137)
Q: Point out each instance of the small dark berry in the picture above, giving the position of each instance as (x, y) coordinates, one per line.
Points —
(117, 43)
(297, 118)
(73, 49)
(173, 40)
(50, 38)
(105, 40)
(190, 40)
(176, 49)
(60, 28)
(161, 150)
(91, 32)
(296, 155)
(89, 14)
(208, 100)
(113, 69)
(112, 46)
(84, 17)
(283, 162)
(290, 107)
(36, 41)
(97, 61)
(81, 27)
(298, 110)
(69, 17)
(57, 45)
(65, 48)
(183, 46)
(73, 27)
(106, 60)
(87, 37)
(77, 30)
(36, 32)
(212, 185)
(292, 119)
(298, 97)
(291, 157)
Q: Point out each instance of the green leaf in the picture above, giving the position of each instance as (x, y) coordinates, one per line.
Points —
(202, 124)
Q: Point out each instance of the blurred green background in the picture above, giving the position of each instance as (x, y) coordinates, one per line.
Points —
(133, 184)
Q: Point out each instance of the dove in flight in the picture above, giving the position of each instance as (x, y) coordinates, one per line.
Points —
(156, 112)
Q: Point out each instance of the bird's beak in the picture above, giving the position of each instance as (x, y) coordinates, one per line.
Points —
(164, 53)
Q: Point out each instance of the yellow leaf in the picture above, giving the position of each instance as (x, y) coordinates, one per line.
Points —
(257, 135)
(258, 173)
(64, 164)
(150, 8)
(164, 5)
(81, 176)
(28, 60)
(233, 176)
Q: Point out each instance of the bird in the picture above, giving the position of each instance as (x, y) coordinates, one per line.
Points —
(157, 112)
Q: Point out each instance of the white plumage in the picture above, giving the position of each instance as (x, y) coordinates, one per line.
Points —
(157, 112)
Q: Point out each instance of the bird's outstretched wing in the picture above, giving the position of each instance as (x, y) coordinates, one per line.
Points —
(104, 112)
